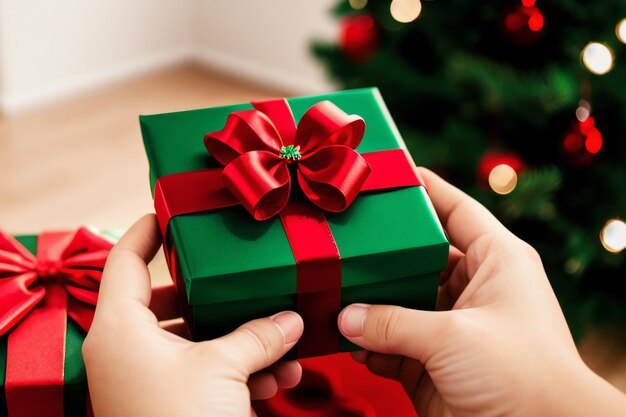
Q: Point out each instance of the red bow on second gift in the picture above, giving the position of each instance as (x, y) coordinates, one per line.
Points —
(257, 148)
(75, 261)
(37, 294)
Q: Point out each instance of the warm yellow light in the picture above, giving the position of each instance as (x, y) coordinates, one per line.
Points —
(613, 236)
(405, 11)
(358, 4)
(502, 179)
(620, 31)
(598, 58)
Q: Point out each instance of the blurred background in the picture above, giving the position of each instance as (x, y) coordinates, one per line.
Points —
(521, 103)
(74, 78)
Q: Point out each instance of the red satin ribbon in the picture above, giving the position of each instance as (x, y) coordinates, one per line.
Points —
(330, 174)
(317, 255)
(329, 170)
(197, 191)
(37, 294)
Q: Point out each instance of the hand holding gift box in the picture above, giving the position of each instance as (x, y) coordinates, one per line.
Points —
(136, 367)
(345, 218)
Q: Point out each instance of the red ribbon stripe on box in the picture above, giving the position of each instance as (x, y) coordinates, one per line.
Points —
(37, 294)
(264, 155)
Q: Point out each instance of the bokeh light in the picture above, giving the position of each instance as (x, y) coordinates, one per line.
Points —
(620, 31)
(583, 111)
(502, 179)
(597, 58)
(405, 11)
(572, 143)
(613, 235)
(593, 143)
(573, 266)
(525, 18)
(583, 136)
(535, 21)
(582, 114)
(358, 4)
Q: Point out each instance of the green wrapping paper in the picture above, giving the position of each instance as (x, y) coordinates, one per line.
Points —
(231, 268)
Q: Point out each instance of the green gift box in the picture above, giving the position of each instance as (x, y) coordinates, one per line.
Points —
(230, 268)
(74, 400)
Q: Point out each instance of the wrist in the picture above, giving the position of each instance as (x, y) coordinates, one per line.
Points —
(575, 390)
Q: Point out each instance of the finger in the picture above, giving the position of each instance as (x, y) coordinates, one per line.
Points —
(453, 280)
(287, 374)
(456, 285)
(126, 276)
(454, 256)
(426, 398)
(446, 298)
(411, 373)
(259, 343)
(403, 369)
(165, 303)
(177, 327)
(464, 218)
(262, 386)
(391, 329)
(284, 375)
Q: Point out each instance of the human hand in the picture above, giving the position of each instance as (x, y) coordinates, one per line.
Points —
(504, 348)
(136, 368)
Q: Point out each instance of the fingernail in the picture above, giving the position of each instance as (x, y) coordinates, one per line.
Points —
(290, 324)
(352, 320)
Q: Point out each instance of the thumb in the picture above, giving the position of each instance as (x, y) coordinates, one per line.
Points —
(259, 343)
(393, 330)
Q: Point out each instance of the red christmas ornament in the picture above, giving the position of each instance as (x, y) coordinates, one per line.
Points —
(524, 24)
(583, 142)
(359, 37)
(492, 159)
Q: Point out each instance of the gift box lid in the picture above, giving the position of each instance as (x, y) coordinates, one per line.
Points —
(226, 255)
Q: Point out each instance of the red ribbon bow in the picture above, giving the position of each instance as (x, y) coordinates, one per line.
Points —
(37, 293)
(257, 148)
(74, 262)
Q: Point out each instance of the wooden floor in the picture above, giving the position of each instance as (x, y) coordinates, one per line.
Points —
(82, 162)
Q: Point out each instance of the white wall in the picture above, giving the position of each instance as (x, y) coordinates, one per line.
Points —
(52, 49)
(266, 40)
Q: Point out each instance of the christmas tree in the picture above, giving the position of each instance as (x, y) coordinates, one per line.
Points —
(521, 105)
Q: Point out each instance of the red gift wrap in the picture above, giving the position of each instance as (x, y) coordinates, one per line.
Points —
(337, 386)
